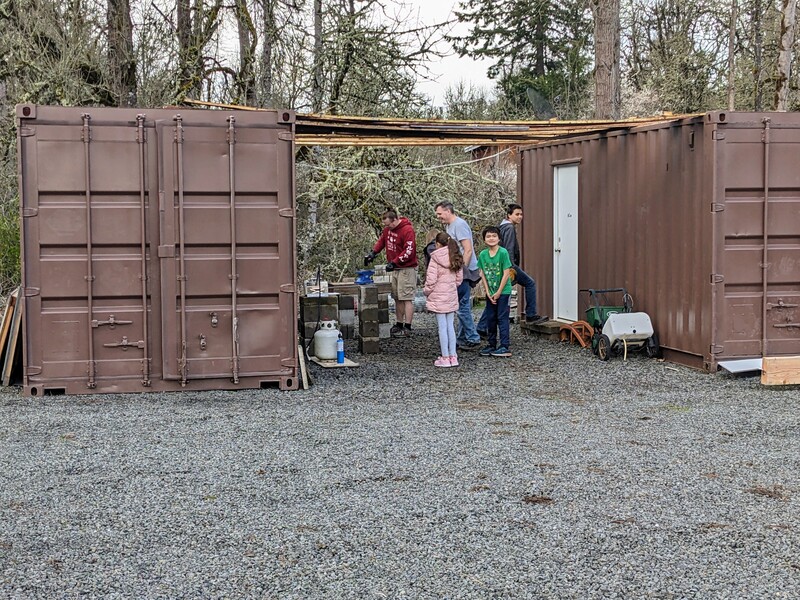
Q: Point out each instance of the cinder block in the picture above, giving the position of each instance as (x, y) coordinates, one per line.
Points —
(383, 298)
(385, 330)
(329, 300)
(368, 315)
(383, 315)
(383, 304)
(348, 332)
(347, 302)
(369, 294)
(325, 312)
(347, 317)
(369, 346)
(369, 330)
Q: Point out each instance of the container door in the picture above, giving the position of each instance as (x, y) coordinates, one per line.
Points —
(86, 250)
(761, 299)
(227, 254)
(565, 238)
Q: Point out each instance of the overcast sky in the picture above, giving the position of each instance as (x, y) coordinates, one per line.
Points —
(451, 69)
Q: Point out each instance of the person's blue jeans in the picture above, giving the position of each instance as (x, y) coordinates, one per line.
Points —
(466, 332)
(529, 284)
(497, 318)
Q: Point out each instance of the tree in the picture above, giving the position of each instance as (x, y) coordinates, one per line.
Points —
(121, 58)
(540, 49)
(788, 21)
(606, 63)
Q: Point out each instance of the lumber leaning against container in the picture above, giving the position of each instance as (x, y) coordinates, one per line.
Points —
(158, 249)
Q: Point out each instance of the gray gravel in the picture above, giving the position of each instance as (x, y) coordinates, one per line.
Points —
(550, 474)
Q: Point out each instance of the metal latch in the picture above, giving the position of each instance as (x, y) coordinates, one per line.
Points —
(717, 278)
(786, 325)
(203, 344)
(125, 344)
(112, 322)
(780, 304)
(214, 319)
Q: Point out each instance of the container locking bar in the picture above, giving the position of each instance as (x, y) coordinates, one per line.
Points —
(141, 139)
(182, 362)
(86, 135)
(112, 322)
(234, 276)
(125, 344)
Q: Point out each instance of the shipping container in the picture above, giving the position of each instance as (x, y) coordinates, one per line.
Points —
(698, 218)
(158, 249)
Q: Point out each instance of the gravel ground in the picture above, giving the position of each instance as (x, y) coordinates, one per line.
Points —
(549, 474)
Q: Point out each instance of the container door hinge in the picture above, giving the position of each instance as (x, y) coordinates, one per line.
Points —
(32, 291)
(717, 135)
(289, 213)
(167, 251)
(286, 136)
(32, 370)
(717, 278)
(289, 362)
(30, 212)
(27, 131)
(289, 288)
(717, 207)
(715, 349)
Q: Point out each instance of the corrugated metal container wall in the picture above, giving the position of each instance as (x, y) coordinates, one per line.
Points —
(673, 213)
(158, 249)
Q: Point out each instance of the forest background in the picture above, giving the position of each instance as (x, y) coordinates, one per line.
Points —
(570, 59)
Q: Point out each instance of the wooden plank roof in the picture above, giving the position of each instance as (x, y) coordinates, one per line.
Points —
(340, 130)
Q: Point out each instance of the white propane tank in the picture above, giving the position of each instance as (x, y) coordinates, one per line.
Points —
(325, 340)
(631, 327)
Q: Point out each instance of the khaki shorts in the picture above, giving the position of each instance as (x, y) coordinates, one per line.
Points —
(404, 284)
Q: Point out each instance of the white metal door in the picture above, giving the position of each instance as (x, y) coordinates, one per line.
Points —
(565, 240)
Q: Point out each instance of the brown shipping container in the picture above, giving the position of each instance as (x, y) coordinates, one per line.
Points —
(676, 214)
(158, 249)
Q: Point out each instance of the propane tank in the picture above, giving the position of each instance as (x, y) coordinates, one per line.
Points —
(325, 340)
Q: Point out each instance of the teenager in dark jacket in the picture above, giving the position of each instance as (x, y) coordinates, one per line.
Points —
(508, 240)
(400, 242)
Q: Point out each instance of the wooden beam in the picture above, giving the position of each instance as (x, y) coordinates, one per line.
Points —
(780, 370)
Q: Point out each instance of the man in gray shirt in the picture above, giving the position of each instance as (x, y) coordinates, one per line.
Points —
(458, 229)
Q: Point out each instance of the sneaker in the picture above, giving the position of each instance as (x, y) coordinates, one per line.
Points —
(533, 320)
(487, 351)
(502, 351)
(454, 361)
(483, 334)
(397, 330)
(407, 331)
(468, 346)
(442, 361)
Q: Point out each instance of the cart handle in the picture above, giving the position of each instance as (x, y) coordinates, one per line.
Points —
(593, 293)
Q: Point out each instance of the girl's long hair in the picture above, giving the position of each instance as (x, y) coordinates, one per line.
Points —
(456, 260)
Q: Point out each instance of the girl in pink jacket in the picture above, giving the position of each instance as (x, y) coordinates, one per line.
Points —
(441, 280)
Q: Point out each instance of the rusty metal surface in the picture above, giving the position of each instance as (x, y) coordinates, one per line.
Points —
(158, 249)
(674, 213)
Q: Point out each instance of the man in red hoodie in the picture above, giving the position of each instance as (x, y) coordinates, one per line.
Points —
(400, 241)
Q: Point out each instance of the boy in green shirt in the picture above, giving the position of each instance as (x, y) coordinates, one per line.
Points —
(495, 267)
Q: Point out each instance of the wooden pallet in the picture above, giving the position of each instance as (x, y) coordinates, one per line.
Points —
(12, 338)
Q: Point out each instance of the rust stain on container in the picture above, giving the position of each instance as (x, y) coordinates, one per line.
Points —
(158, 249)
(698, 219)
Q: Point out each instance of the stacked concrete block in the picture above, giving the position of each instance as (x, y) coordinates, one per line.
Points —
(314, 309)
(347, 316)
(368, 320)
(383, 316)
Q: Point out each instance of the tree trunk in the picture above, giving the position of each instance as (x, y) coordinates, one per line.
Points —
(606, 69)
(786, 42)
(268, 35)
(245, 76)
(121, 59)
(758, 66)
(316, 91)
(732, 57)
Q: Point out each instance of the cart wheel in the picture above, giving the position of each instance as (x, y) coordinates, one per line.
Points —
(604, 347)
(595, 342)
(652, 347)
